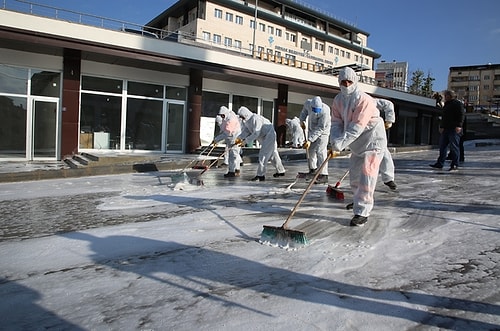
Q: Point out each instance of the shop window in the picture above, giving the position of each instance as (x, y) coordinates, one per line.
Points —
(13, 80)
(45, 83)
(176, 93)
(145, 90)
(212, 101)
(102, 84)
(13, 126)
(242, 100)
(144, 125)
(101, 118)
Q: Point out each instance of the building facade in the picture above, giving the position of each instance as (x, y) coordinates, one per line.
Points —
(69, 86)
(477, 85)
(392, 75)
(282, 31)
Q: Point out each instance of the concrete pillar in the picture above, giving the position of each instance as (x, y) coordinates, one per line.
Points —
(70, 102)
(194, 110)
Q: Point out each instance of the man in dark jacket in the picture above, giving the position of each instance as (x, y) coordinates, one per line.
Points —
(451, 130)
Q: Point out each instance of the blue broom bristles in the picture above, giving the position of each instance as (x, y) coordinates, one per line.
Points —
(286, 238)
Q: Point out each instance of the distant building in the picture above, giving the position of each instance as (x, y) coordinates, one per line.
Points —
(477, 85)
(392, 75)
(281, 31)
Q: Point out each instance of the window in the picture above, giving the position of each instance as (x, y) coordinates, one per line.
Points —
(206, 36)
(290, 37)
(330, 49)
(319, 46)
(45, 83)
(278, 32)
(260, 49)
(342, 53)
(102, 84)
(238, 20)
(217, 39)
(337, 51)
(270, 30)
(486, 87)
(229, 17)
(145, 90)
(252, 24)
(348, 55)
(228, 42)
(218, 13)
(237, 44)
(262, 27)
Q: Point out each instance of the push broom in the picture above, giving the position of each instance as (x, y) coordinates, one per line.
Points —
(202, 165)
(334, 191)
(284, 237)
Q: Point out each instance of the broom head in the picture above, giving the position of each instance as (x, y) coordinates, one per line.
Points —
(284, 238)
(334, 192)
(200, 166)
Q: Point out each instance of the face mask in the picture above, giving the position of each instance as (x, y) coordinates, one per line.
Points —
(316, 110)
(346, 90)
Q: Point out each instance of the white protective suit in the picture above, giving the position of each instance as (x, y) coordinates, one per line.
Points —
(230, 129)
(356, 123)
(259, 128)
(386, 109)
(296, 132)
(218, 120)
(318, 132)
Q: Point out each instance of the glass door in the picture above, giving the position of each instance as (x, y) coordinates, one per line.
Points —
(175, 127)
(44, 129)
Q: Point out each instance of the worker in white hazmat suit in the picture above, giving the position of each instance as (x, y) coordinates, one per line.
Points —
(218, 120)
(230, 129)
(356, 123)
(387, 113)
(296, 132)
(258, 128)
(318, 131)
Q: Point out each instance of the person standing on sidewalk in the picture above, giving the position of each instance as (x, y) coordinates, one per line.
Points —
(318, 131)
(450, 129)
(230, 128)
(356, 123)
(259, 128)
(386, 170)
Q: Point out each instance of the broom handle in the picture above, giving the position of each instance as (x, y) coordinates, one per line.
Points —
(216, 160)
(311, 183)
(193, 160)
(209, 152)
(342, 179)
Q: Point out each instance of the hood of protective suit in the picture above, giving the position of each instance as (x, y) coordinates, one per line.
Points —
(316, 105)
(288, 122)
(348, 74)
(245, 113)
(224, 111)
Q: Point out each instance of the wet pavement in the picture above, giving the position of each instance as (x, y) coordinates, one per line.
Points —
(41, 211)
(166, 250)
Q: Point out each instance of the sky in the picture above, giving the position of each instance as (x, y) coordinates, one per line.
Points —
(430, 35)
(188, 258)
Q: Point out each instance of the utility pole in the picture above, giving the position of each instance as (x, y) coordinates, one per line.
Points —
(254, 27)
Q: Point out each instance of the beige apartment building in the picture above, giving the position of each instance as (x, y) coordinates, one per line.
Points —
(281, 31)
(477, 85)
